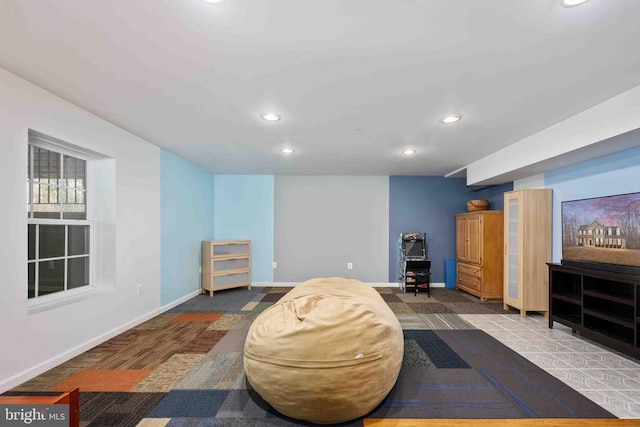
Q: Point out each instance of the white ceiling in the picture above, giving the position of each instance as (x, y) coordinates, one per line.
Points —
(356, 81)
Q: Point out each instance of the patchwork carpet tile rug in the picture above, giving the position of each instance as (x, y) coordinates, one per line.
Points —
(184, 368)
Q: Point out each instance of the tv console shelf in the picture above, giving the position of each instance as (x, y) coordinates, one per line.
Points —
(600, 305)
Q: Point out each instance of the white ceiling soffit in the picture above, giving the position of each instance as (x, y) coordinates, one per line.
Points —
(356, 82)
(609, 127)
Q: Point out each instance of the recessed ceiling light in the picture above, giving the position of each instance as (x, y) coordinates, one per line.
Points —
(271, 117)
(288, 150)
(451, 119)
(409, 152)
(572, 3)
(214, 1)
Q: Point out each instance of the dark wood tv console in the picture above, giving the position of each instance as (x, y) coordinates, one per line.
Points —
(599, 305)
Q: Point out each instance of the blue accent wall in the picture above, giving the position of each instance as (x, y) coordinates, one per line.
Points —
(617, 173)
(244, 206)
(429, 204)
(186, 219)
(425, 204)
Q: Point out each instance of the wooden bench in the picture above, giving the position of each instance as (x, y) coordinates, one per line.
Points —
(71, 398)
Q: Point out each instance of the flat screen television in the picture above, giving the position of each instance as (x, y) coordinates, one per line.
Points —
(602, 233)
(414, 245)
(414, 249)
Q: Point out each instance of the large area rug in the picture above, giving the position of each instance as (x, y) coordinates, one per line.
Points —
(184, 368)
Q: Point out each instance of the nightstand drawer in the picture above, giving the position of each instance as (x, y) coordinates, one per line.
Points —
(230, 280)
(230, 249)
(220, 265)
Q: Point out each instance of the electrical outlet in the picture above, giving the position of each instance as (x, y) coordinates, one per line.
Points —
(274, 265)
(349, 266)
(200, 269)
(140, 289)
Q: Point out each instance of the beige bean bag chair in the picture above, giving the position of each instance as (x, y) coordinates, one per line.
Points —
(329, 351)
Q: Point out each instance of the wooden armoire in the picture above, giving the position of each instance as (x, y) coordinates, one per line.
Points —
(479, 243)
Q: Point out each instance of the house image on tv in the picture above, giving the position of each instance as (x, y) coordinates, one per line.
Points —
(601, 236)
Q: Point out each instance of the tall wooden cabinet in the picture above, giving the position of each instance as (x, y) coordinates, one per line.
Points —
(225, 264)
(527, 249)
(479, 238)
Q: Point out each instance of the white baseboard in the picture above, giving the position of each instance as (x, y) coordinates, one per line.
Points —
(51, 363)
(179, 301)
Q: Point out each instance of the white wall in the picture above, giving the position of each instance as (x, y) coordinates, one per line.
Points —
(32, 342)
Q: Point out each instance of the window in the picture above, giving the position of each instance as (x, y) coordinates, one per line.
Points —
(59, 227)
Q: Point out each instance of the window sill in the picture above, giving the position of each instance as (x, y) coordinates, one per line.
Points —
(60, 299)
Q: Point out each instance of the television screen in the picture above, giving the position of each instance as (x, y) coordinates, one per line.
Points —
(414, 249)
(602, 232)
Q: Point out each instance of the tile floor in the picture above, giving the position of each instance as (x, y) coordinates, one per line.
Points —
(609, 379)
